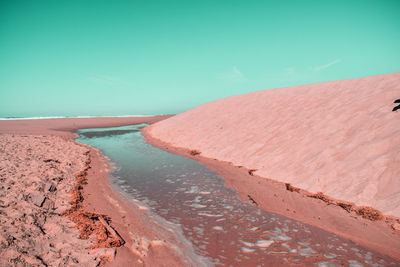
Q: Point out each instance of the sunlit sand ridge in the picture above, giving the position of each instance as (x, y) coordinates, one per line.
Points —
(221, 227)
(340, 138)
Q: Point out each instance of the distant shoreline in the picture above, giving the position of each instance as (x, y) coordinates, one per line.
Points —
(78, 117)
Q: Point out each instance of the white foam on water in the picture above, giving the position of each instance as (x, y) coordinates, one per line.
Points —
(198, 230)
(193, 189)
(218, 228)
(264, 243)
(197, 199)
(34, 118)
(340, 248)
(181, 189)
(327, 264)
(120, 181)
(279, 235)
(197, 206)
(247, 250)
(168, 229)
(354, 263)
(282, 237)
(330, 256)
(368, 256)
(260, 243)
(209, 215)
(247, 243)
(228, 207)
(306, 251)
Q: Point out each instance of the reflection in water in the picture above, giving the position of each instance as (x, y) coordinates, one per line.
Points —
(220, 226)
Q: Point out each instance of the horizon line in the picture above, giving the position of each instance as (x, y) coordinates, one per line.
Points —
(78, 117)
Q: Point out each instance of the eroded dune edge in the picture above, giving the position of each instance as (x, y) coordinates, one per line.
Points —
(334, 142)
(338, 139)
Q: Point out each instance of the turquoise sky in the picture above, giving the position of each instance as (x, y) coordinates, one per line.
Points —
(68, 58)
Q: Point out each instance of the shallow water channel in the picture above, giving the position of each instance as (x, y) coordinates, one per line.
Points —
(220, 226)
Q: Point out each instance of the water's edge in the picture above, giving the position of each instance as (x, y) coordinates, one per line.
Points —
(163, 229)
(220, 217)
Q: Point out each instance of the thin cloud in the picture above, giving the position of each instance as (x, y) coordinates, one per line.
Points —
(290, 70)
(234, 75)
(236, 72)
(330, 64)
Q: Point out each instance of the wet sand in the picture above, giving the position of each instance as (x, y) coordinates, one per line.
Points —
(324, 153)
(273, 196)
(221, 227)
(143, 243)
(132, 224)
(340, 138)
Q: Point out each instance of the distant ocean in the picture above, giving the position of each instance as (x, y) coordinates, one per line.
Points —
(62, 117)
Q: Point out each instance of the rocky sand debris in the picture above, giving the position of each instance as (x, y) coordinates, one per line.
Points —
(37, 175)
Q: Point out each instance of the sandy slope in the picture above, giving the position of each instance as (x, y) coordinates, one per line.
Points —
(340, 138)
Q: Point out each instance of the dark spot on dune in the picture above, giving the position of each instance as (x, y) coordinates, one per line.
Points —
(346, 206)
(194, 152)
(320, 196)
(252, 200)
(397, 101)
(369, 213)
(291, 188)
(51, 160)
(251, 171)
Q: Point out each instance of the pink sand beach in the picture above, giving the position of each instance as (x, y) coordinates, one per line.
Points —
(334, 142)
(58, 208)
(340, 138)
(326, 154)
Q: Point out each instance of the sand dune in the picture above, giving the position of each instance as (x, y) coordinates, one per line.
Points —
(340, 138)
